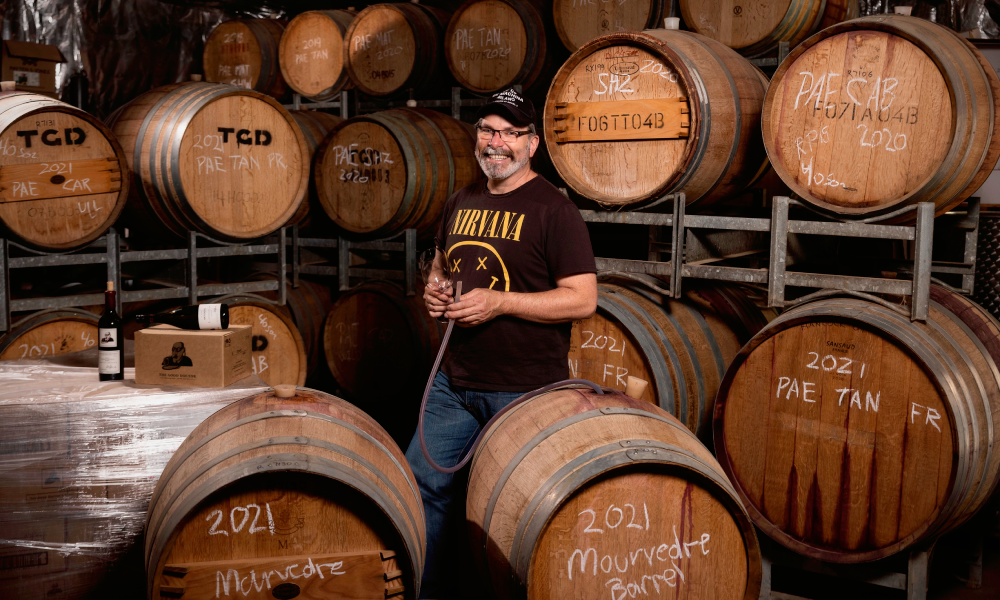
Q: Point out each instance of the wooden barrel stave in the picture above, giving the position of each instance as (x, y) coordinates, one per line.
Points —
(979, 333)
(578, 23)
(311, 53)
(315, 125)
(573, 449)
(993, 151)
(682, 348)
(478, 63)
(50, 333)
(309, 304)
(292, 445)
(357, 356)
(759, 33)
(716, 150)
(955, 90)
(184, 191)
(390, 48)
(926, 430)
(735, 306)
(432, 156)
(379, 346)
(977, 88)
(278, 351)
(244, 53)
(131, 124)
(36, 206)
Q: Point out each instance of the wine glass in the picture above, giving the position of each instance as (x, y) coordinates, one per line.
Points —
(426, 264)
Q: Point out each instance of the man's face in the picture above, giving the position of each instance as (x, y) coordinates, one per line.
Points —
(177, 352)
(500, 159)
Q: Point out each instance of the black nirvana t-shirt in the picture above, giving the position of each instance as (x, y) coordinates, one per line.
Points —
(522, 241)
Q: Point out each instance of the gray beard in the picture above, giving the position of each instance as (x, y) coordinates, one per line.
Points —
(494, 171)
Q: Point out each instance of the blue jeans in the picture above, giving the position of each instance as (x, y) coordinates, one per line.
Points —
(453, 419)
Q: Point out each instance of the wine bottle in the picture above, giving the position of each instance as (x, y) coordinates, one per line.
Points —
(111, 343)
(195, 316)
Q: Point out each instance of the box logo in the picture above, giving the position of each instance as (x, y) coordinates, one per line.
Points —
(178, 358)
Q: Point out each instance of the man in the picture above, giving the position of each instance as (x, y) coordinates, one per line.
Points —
(523, 255)
(178, 358)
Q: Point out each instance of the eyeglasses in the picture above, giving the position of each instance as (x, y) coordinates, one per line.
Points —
(508, 136)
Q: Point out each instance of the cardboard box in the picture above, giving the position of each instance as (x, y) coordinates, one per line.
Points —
(167, 355)
(31, 66)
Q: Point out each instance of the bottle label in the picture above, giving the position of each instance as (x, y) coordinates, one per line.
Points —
(209, 316)
(109, 362)
(108, 338)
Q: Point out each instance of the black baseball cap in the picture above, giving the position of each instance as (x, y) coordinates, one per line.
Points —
(511, 105)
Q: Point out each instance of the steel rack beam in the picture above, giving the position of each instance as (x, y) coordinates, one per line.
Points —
(343, 270)
(776, 276)
(107, 250)
(341, 103)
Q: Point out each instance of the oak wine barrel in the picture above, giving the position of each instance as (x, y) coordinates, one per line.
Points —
(269, 487)
(308, 306)
(681, 348)
(63, 174)
(278, 353)
(379, 346)
(493, 44)
(244, 53)
(227, 162)
(852, 433)
(390, 48)
(872, 115)
(311, 53)
(755, 28)
(574, 495)
(578, 22)
(50, 333)
(315, 125)
(379, 174)
(633, 116)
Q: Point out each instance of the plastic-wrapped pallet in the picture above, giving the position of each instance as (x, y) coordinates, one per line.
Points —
(78, 463)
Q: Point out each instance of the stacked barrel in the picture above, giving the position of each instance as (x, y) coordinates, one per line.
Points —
(848, 432)
(836, 391)
(633, 116)
(214, 158)
(64, 177)
(325, 493)
(568, 482)
(64, 181)
(840, 429)
(884, 134)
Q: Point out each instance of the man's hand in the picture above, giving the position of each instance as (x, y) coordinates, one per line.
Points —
(476, 307)
(437, 297)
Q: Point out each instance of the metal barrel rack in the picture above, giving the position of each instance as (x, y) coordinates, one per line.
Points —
(405, 243)
(341, 103)
(680, 262)
(455, 102)
(107, 250)
(907, 571)
(365, 105)
(772, 61)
